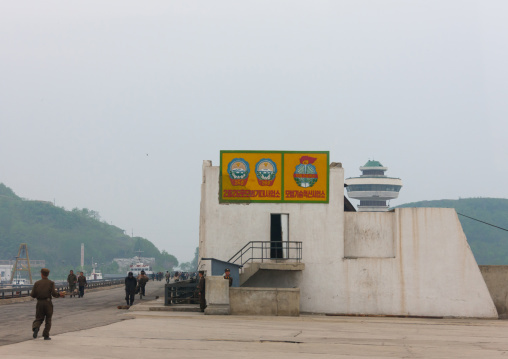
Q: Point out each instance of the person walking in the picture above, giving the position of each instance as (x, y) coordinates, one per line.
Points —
(142, 280)
(72, 280)
(43, 290)
(201, 291)
(81, 284)
(130, 288)
(167, 276)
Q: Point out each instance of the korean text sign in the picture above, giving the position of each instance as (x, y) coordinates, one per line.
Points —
(274, 176)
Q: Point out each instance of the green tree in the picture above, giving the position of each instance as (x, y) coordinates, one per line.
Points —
(55, 235)
(192, 265)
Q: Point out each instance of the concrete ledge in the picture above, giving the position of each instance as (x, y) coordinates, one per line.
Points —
(282, 266)
(264, 301)
(175, 308)
(217, 309)
(253, 268)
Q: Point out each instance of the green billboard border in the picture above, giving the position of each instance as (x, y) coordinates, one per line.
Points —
(221, 201)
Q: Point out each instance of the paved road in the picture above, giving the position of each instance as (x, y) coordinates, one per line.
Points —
(193, 335)
(70, 314)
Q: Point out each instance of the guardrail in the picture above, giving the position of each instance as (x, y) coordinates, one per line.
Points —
(264, 250)
(24, 290)
(184, 292)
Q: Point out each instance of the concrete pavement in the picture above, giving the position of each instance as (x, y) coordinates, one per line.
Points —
(159, 334)
(96, 309)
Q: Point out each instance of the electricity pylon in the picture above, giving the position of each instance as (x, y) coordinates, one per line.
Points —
(20, 266)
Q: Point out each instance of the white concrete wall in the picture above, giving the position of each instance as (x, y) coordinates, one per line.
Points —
(226, 228)
(433, 273)
(496, 279)
(414, 261)
(369, 235)
(265, 301)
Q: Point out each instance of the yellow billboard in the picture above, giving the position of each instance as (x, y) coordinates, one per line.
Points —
(305, 177)
(273, 176)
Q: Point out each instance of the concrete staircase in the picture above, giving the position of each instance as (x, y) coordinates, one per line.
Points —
(252, 268)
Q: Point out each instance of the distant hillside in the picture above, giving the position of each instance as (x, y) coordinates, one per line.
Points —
(489, 244)
(55, 235)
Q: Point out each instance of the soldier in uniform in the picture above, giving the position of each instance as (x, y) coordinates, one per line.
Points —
(81, 283)
(72, 280)
(43, 290)
(201, 290)
(228, 277)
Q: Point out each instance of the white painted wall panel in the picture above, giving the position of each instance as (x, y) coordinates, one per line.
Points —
(369, 234)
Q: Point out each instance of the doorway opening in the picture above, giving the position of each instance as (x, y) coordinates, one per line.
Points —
(279, 236)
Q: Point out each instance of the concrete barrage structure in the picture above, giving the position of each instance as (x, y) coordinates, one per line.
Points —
(409, 261)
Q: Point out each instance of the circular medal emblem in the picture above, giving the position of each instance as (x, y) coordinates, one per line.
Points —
(266, 171)
(238, 170)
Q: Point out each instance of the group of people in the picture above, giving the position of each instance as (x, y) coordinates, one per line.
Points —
(158, 276)
(179, 276)
(44, 290)
(80, 280)
(135, 285)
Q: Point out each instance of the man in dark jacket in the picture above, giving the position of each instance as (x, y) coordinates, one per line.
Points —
(43, 290)
(81, 283)
(130, 288)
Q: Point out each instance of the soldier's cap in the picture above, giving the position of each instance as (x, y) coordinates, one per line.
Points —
(202, 272)
(227, 270)
(45, 272)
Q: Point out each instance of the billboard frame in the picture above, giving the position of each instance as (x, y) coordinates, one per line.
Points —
(244, 201)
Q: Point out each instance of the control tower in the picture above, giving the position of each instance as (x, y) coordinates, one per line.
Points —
(373, 188)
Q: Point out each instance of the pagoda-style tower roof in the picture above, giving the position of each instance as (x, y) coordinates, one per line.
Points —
(373, 188)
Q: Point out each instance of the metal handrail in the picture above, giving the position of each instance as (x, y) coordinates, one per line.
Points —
(24, 290)
(261, 250)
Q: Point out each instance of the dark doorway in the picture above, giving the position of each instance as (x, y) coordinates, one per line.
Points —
(275, 236)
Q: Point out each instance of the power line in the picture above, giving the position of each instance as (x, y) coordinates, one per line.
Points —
(474, 219)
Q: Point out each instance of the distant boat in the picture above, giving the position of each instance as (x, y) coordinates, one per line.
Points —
(19, 281)
(94, 275)
(139, 266)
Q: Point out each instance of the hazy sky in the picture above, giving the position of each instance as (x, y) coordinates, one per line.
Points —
(113, 105)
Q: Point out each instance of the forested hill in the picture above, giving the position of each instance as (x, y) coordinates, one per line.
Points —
(489, 244)
(55, 235)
